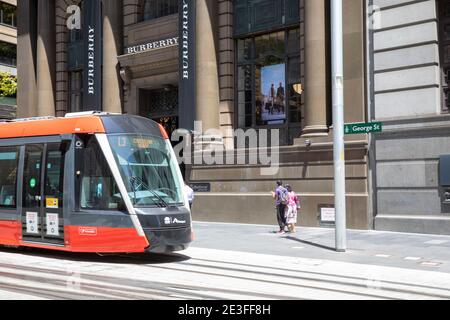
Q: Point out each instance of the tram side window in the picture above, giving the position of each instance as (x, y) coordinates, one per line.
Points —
(8, 176)
(54, 182)
(99, 190)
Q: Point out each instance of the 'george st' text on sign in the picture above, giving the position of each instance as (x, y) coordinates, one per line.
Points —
(363, 128)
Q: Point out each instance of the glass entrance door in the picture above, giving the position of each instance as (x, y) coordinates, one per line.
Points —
(43, 183)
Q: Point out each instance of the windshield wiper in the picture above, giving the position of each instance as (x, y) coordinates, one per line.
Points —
(132, 181)
(161, 203)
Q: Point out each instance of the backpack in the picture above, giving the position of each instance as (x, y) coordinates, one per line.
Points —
(284, 196)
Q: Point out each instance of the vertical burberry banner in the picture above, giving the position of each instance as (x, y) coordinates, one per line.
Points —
(92, 36)
(187, 78)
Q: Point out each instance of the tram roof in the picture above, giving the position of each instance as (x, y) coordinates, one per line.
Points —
(83, 123)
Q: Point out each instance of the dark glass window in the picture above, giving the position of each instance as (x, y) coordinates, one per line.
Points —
(32, 176)
(153, 9)
(160, 105)
(75, 45)
(8, 176)
(8, 54)
(444, 44)
(245, 96)
(260, 15)
(158, 102)
(76, 91)
(54, 183)
(99, 189)
(8, 14)
(268, 80)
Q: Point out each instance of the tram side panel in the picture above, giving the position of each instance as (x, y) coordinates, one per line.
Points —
(84, 230)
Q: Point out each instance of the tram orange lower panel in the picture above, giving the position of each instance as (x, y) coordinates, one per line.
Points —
(10, 232)
(81, 239)
(102, 239)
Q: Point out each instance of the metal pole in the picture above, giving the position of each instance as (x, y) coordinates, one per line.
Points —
(338, 123)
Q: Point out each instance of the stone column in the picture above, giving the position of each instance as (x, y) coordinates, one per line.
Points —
(316, 75)
(112, 48)
(226, 71)
(207, 86)
(46, 58)
(26, 49)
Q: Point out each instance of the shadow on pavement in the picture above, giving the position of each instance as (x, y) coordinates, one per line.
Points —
(134, 258)
(311, 243)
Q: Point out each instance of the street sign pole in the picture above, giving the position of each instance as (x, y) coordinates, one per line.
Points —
(337, 48)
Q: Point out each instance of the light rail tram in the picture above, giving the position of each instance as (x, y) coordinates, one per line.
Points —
(91, 182)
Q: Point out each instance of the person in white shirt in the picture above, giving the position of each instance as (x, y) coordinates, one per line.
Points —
(190, 194)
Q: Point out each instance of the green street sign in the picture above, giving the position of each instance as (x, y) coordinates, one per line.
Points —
(363, 128)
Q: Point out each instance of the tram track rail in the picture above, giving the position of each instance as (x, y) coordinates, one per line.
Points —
(100, 286)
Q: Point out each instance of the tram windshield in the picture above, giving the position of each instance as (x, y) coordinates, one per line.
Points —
(148, 170)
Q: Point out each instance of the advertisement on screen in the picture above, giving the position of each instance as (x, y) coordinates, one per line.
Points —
(273, 91)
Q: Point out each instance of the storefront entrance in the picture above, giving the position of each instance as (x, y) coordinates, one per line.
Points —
(160, 105)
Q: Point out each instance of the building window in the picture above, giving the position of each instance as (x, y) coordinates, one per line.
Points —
(8, 15)
(252, 16)
(269, 80)
(8, 54)
(152, 9)
(75, 45)
(444, 44)
(8, 176)
(76, 91)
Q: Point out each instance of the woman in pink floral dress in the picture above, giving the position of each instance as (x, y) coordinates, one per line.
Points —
(292, 209)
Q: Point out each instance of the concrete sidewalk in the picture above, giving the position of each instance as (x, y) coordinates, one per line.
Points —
(401, 250)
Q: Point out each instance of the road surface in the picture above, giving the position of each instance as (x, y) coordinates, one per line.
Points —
(233, 262)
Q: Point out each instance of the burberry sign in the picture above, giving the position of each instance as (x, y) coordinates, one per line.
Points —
(92, 36)
(187, 63)
(154, 45)
(92, 49)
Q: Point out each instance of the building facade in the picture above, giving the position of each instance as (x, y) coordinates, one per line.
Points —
(8, 53)
(260, 65)
(8, 36)
(409, 56)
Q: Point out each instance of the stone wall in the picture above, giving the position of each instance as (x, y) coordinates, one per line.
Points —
(406, 88)
(242, 194)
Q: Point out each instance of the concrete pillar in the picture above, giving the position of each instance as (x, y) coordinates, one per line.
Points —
(112, 48)
(207, 87)
(26, 54)
(316, 71)
(46, 58)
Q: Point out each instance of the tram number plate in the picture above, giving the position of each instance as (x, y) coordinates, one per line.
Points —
(52, 224)
(32, 223)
